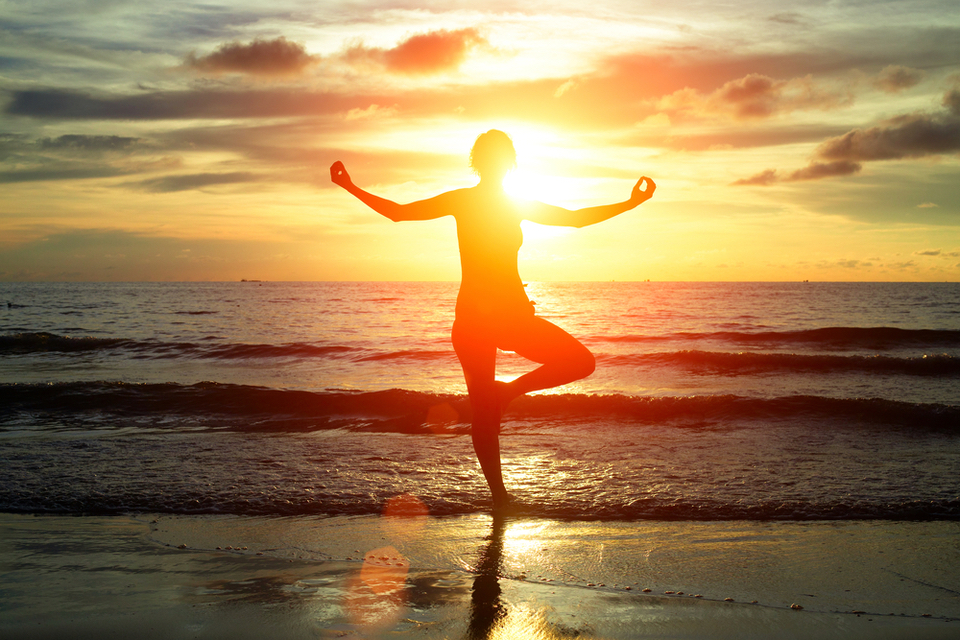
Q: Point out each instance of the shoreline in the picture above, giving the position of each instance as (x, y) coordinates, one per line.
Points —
(466, 576)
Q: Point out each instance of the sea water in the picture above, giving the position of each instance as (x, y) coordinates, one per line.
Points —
(711, 401)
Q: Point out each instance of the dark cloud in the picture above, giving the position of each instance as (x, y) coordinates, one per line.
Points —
(930, 252)
(77, 157)
(425, 53)
(952, 101)
(158, 105)
(22, 151)
(909, 136)
(764, 178)
(895, 78)
(520, 100)
(61, 173)
(169, 184)
(88, 143)
(813, 171)
(270, 58)
(913, 135)
(818, 170)
(787, 18)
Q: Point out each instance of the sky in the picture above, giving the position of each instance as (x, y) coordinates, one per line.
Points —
(183, 141)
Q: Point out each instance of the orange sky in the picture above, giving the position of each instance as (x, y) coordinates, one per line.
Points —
(192, 141)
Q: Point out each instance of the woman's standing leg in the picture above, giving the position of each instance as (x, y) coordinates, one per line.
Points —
(478, 357)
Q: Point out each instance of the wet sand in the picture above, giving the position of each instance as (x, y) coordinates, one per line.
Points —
(468, 577)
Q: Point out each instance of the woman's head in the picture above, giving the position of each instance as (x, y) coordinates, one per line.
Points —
(493, 154)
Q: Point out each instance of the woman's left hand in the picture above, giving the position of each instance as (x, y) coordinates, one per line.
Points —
(639, 197)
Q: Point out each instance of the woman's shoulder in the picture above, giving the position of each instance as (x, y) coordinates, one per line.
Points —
(475, 201)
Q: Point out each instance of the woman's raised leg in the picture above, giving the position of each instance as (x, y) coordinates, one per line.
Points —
(563, 359)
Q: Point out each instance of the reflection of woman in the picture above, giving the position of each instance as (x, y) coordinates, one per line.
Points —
(492, 308)
(488, 610)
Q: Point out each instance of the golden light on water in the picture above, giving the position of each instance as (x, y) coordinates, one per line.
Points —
(523, 539)
(525, 623)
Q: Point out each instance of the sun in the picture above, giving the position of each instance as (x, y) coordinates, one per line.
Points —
(524, 184)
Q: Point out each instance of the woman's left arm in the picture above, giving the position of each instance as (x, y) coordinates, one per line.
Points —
(560, 217)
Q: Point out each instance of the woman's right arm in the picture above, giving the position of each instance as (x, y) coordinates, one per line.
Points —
(420, 210)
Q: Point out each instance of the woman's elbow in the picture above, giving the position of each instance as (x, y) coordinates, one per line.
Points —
(394, 214)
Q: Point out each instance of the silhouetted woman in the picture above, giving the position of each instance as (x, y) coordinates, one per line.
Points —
(492, 307)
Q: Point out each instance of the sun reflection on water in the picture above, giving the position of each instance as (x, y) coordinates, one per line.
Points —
(523, 540)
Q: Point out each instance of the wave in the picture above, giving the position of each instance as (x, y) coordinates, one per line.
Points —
(712, 362)
(290, 504)
(406, 355)
(93, 405)
(874, 338)
(28, 343)
(748, 362)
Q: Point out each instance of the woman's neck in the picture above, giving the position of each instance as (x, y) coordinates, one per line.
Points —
(490, 185)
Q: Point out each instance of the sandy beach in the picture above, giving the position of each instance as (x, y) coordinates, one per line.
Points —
(468, 577)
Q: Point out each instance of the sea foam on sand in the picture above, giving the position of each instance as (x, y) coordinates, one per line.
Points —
(473, 577)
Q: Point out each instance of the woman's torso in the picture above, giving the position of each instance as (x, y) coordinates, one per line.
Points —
(489, 235)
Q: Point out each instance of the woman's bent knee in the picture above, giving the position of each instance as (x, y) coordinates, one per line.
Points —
(585, 364)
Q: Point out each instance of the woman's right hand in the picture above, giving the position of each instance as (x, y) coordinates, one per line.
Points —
(339, 175)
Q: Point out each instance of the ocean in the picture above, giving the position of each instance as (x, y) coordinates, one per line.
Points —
(711, 401)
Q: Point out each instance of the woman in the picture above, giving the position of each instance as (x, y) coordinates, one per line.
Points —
(492, 307)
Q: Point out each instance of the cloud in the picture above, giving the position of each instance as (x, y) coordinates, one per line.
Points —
(813, 171)
(817, 170)
(951, 100)
(764, 178)
(910, 136)
(268, 58)
(166, 105)
(909, 264)
(88, 143)
(929, 252)
(562, 89)
(21, 152)
(373, 111)
(895, 78)
(914, 135)
(787, 18)
(425, 53)
(844, 264)
(756, 96)
(927, 205)
(61, 173)
(186, 182)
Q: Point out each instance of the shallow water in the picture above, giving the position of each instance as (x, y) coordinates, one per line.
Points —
(710, 401)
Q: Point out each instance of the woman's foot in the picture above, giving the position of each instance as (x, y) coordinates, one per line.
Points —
(505, 394)
(508, 506)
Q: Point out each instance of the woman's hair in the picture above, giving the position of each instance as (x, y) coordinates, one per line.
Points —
(493, 149)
